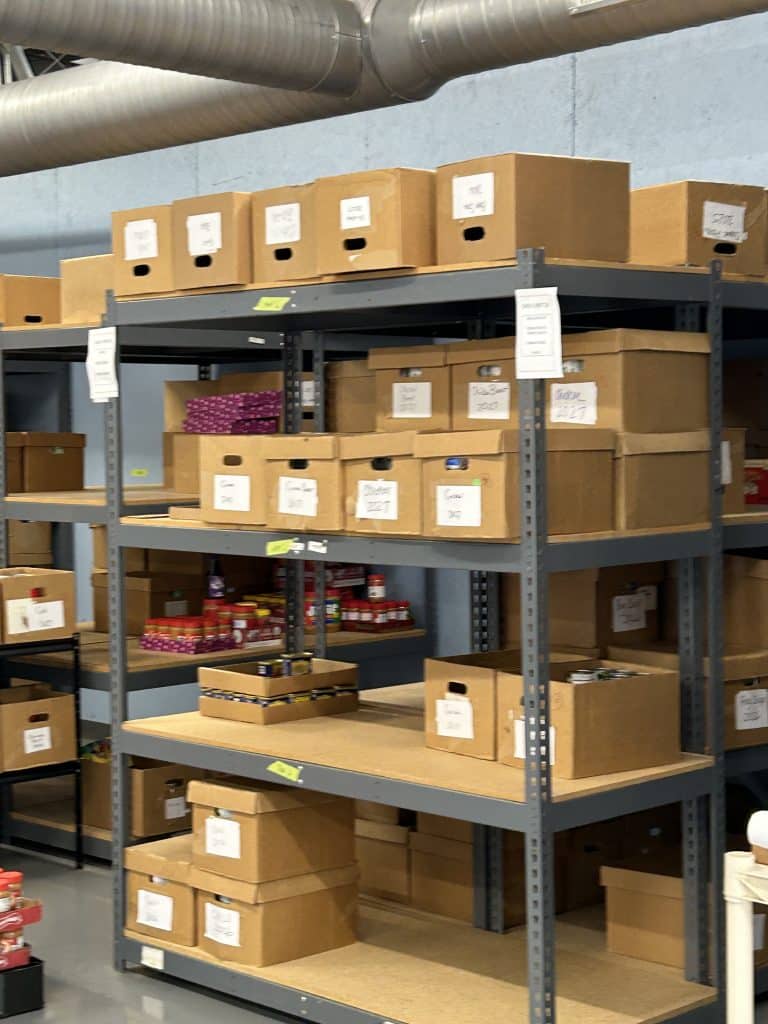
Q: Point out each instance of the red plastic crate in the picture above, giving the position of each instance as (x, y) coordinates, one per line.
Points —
(30, 913)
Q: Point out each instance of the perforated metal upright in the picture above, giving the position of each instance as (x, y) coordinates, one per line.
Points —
(293, 364)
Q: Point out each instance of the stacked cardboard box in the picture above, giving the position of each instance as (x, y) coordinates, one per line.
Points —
(37, 727)
(40, 462)
(37, 604)
(84, 286)
(30, 543)
(382, 850)
(29, 301)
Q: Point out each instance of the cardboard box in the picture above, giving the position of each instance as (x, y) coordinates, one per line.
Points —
(158, 796)
(383, 813)
(383, 857)
(142, 242)
(272, 922)
(471, 483)
(375, 220)
(212, 241)
(38, 604)
(180, 563)
(284, 235)
(37, 727)
(178, 392)
(584, 853)
(182, 462)
(745, 394)
(662, 480)
(691, 223)
(413, 388)
(350, 397)
(445, 828)
(382, 484)
(47, 461)
(613, 725)
(262, 832)
(484, 388)
(148, 597)
(304, 483)
(14, 463)
(161, 900)
(746, 712)
(29, 301)
(135, 559)
(734, 471)
(232, 472)
(460, 706)
(30, 543)
(84, 286)
(490, 207)
(755, 483)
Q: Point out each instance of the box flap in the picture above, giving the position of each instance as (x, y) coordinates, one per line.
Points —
(252, 798)
(410, 356)
(168, 858)
(437, 846)
(160, 583)
(737, 662)
(269, 892)
(348, 369)
(377, 446)
(300, 446)
(366, 829)
(490, 350)
(636, 880)
(495, 442)
(623, 340)
(660, 444)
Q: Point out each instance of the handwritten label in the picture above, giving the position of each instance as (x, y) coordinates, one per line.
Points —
(573, 403)
(723, 222)
(154, 910)
(752, 710)
(24, 615)
(37, 740)
(455, 719)
(175, 807)
(153, 958)
(222, 837)
(355, 213)
(100, 364)
(628, 612)
(459, 506)
(297, 496)
(272, 303)
(140, 240)
(538, 341)
(231, 493)
(474, 195)
(291, 772)
(489, 400)
(412, 400)
(173, 608)
(282, 224)
(650, 594)
(377, 499)
(222, 925)
(204, 234)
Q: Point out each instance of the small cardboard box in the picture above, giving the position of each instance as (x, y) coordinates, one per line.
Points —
(37, 727)
(161, 900)
(148, 597)
(384, 860)
(612, 725)
(460, 705)
(232, 471)
(284, 235)
(84, 286)
(303, 482)
(490, 207)
(662, 480)
(644, 914)
(734, 470)
(180, 563)
(483, 384)
(745, 395)
(38, 604)
(746, 712)
(447, 828)
(413, 388)
(47, 461)
(691, 223)
(383, 813)
(262, 832)
(182, 462)
(272, 922)
(29, 301)
(212, 241)
(375, 220)
(471, 483)
(584, 853)
(135, 558)
(158, 796)
(350, 397)
(142, 243)
(30, 543)
(382, 484)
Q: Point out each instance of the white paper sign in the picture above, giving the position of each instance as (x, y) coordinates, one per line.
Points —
(100, 364)
(231, 493)
(37, 740)
(488, 400)
(222, 925)
(297, 496)
(539, 342)
(573, 403)
(650, 594)
(628, 612)
(308, 394)
(377, 499)
(154, 910)
(460, 506)
(521, 741)
(723, 222)
(222, 837)
(204, 236)
(173, 608)
(46, 615)
(752, 710)
(474, 195)
(175, 807)
(455, 719)
(759, 927)
(140, 240)
(726, 464)
(412, 400)
(584, 6)
(153, 958)
(355, 213)
(282, 224)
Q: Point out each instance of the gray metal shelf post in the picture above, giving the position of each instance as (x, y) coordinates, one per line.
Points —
(4, 539)
(293, 353)
(317, 340)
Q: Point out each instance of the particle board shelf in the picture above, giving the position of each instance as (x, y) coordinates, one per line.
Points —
(90, 504)
(53, 825)
(746, 529)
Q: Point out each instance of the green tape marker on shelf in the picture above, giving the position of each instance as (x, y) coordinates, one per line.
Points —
(139, 473)
(276, 548)
(291, 772)
(272, 303)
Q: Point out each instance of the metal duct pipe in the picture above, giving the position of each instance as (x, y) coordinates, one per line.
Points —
(301, 44)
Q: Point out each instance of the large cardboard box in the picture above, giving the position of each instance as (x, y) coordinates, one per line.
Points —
(37, 727)
(14, 463)
(375, 220)
(47, 461)
(38, 604)
(232, 472)
(413, 388)
(662, 480)
(148, 597)
(447, 828)
(142, 243)
(745, 396)
(383, 857)
(135, 559)
(483, 384)
(584, 851)
(158, 796)
(272, 922)
(691, 223)
(304, 482)
(284, 234)
(30, 543)
(161, 900)
(382, 484)
(29, 301)
(212, 241)
(611, 725)
(182, 462)
(733, 470)
(471, 483)
(84, 286)
(490, 207)
(350, 397)
(261, 832)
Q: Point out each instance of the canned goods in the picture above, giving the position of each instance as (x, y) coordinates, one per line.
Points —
(377, 587)
(296, 664)
(582, 676)
(270, 667)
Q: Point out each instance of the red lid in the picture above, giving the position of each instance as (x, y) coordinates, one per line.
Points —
(332, 592)
(12, 877)
(376, 576)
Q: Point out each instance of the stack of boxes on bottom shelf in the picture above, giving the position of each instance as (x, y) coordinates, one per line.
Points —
(21, 974)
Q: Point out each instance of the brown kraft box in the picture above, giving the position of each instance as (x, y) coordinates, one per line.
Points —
(471, 483)
(48, 461)
(176, 393)
(29, 301)
(691, 223)
(375, 220)
(304, 482)
(30, 543)
(733, 476)
(383, 813)
(135, 558)
(212, 241)
(158, 795)
(413, 388)
(284, 235)
(483, 384)
(383, 857)
(662, 480)
(142, 243)
(14, 463)
(38, 604)
(84, 286)
(382, 484)
(161, 900)
(37, 727)
(350, 397)
(490, 207)
(182, 462)
(148, 596)
(232, 473)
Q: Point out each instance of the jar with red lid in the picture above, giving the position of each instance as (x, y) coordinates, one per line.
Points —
(7, 901)
(391, 613)
(310, 609)
(353, 615)
(365, 623)
(15, 883)
(403, 613)
(380, 616)
(377, 587)
(10, 942)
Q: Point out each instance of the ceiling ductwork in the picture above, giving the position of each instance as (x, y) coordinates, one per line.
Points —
(410, 48)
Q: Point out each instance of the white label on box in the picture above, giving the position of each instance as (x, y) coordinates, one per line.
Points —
(752, 709)
(377, 499)
(100, 364)
(459, 506)
(204, 237)
(726, 464)
(173, 608)
(37, 740)
(297, 496)
(474, 195)
(488, 400)
(724, 222)
(140, 240)
(308, 394)
(521, 744)
(628, 612)
(759, 926)
(17, 615)
(153, 958)
(154, 910)
(573, 403)
(175, 807)
(539, 341)
(222, 925)
(46, 615)
(650, 594)
(455, 719)
(412, 400)
(222, 837)
(355, 213)
(231, 493)
(283, 224)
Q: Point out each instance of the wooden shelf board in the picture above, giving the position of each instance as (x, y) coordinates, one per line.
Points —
(59, 815)
(96, 496)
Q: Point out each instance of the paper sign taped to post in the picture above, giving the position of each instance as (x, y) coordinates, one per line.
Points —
(539, 341)
(100, 364)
